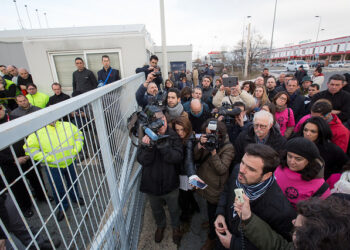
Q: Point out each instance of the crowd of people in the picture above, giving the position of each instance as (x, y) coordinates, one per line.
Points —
(58, 144)
(281, 140)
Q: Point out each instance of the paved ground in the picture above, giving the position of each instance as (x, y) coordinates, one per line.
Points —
(193, 238)
(90, 216)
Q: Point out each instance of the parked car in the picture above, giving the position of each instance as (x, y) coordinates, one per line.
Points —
(295, 64)
(316, 64)
(339, 64)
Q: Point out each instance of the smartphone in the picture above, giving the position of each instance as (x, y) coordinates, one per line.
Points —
(239, 194)
(198, 184)
(230, 81)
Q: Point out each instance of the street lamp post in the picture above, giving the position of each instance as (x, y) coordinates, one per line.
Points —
(37, 14)
(19, 18)
(164, 49)
(47, 23)
(30, 22)
(318, 31)
(273, 29)
(247, 52)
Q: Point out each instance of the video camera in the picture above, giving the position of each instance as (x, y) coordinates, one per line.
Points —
(228, 112)
(160, 100)
(148, 123)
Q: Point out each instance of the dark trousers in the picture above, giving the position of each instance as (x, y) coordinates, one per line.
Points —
(16, 226)
(34, 180)
(18, 188)
(73, 193)
(157, 205)
(187, 203)
(211, 217)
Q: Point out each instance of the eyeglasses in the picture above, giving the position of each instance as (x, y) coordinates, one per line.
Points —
(30, 88)
(282, 98)
(262, 126)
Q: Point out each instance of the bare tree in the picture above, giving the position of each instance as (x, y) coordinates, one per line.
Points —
(257, 45)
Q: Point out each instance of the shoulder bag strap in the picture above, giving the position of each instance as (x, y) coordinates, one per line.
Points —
(107, 77)
(321, 190)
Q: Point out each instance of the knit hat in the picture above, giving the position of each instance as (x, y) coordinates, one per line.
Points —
(306, 78)
(303, 147)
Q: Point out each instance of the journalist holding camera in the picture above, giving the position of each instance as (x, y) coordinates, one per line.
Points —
(235, 119)
(213, 154)
(152, 68)
(160, 153)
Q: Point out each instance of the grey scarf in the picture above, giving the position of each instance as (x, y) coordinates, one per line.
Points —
(175, 111)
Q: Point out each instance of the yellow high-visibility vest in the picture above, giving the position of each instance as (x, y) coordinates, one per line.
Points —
(60, 144)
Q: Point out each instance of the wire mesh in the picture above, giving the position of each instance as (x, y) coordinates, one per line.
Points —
(73, 158)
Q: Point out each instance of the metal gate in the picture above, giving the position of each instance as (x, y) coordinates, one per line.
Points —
(88, 133)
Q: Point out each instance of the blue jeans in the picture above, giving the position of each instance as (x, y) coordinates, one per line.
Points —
(59, 184)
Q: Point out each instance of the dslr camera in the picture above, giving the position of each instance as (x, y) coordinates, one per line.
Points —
(212, 138)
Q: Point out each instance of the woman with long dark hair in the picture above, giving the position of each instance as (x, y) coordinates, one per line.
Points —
(317, 130)
(300, 176)
(187, 202)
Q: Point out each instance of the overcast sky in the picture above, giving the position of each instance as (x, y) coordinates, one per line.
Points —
(206, 24)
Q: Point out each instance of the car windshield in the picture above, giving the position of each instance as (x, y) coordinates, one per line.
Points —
(301, 62)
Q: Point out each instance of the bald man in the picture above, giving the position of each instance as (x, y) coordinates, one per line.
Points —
(23, 79)
(197, 115)
(146, 91)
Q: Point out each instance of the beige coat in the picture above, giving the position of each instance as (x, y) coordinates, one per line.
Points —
(244, 97)
(195, 77)
(214, 170)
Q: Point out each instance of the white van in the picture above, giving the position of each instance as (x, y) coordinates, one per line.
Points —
(295, 64)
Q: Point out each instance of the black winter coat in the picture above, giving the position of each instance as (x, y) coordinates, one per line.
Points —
(158, 80)
(160, 165)
(272, 207)
(297, 105)
(188, 167)
(142, 97)
(340, 101)
(197, 122)
(275, 140)
(300, 74)
(334, 158)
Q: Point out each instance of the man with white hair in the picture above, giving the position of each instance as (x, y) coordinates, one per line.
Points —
(261, 131)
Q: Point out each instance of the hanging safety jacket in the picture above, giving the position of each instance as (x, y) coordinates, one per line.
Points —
(60, 144)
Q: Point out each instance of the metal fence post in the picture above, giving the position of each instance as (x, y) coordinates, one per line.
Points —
(107, 157)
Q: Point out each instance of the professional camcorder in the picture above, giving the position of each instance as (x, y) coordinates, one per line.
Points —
(228, 112)
(159, 100)
(147, 122)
